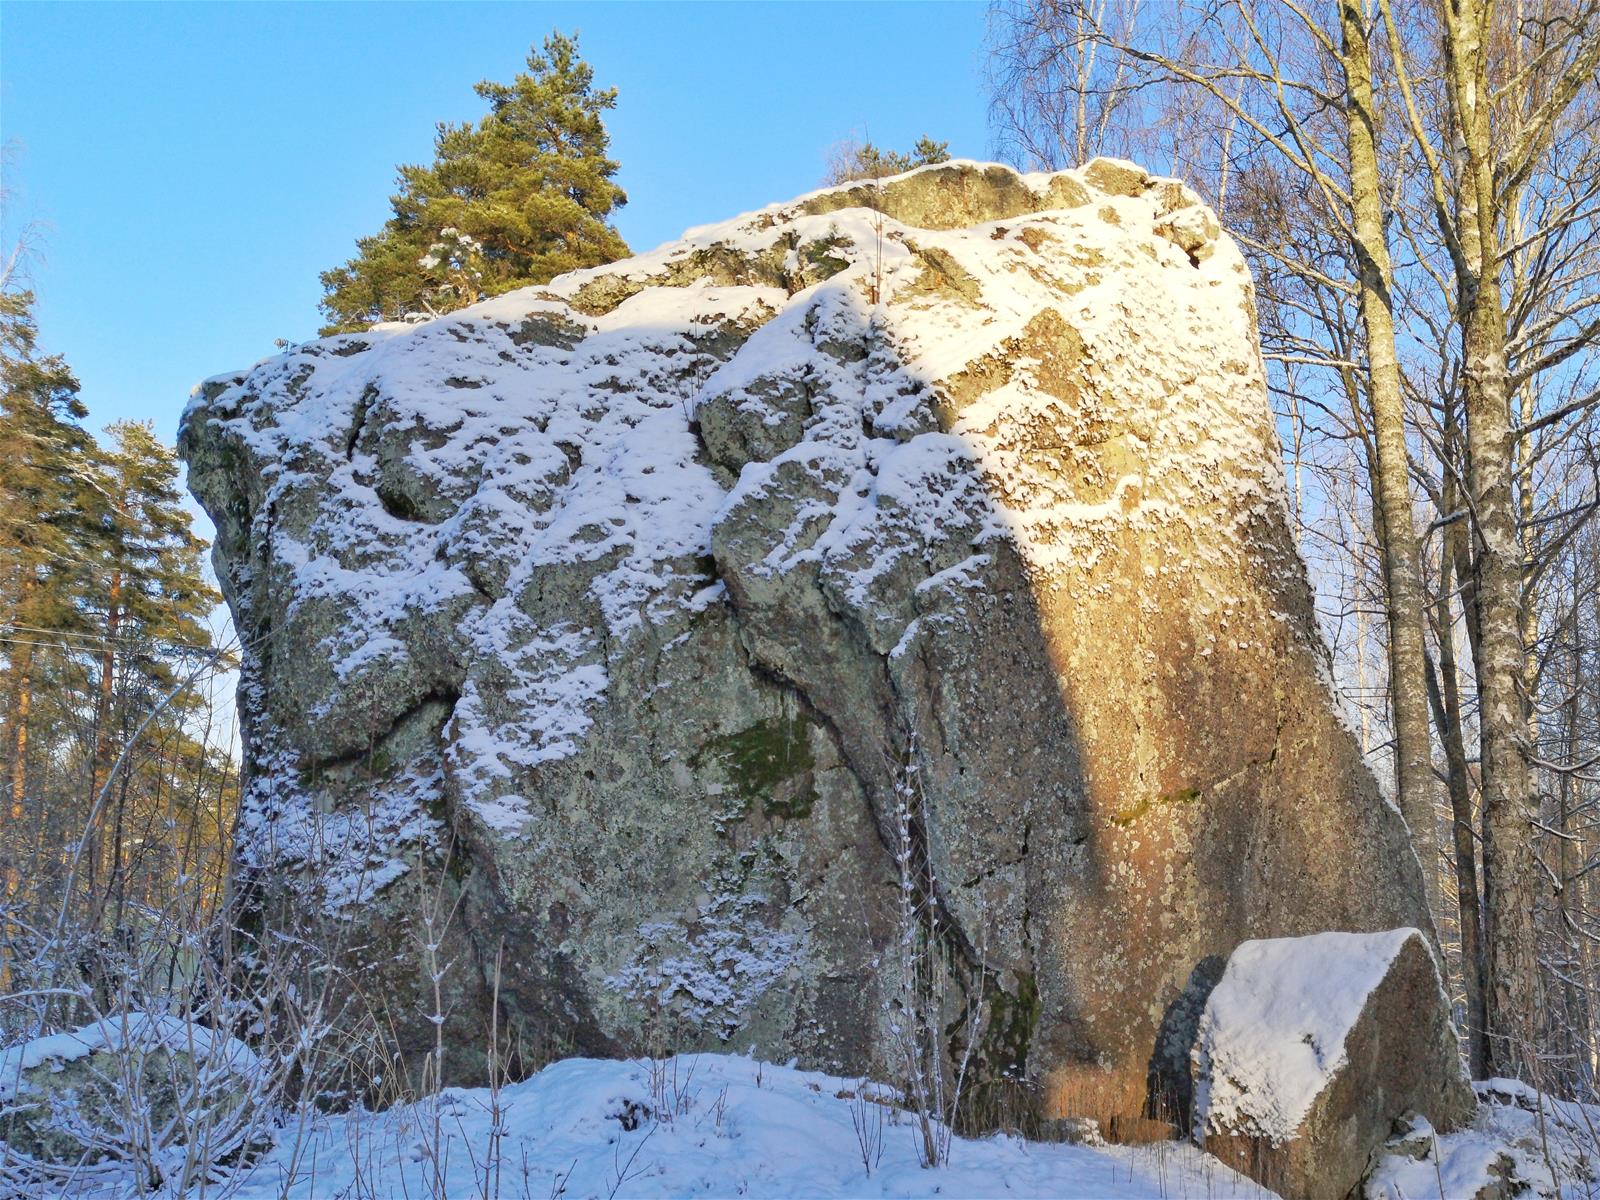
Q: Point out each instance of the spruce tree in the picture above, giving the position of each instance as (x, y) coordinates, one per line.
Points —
(515, 199)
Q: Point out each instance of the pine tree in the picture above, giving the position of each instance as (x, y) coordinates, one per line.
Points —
(516, 199)
(51, 509)
(49, 490)
(151, 599)
(118, 782)
(852, 160)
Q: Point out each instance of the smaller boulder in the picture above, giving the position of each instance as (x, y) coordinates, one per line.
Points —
(1309, 1051)
(68, 1098)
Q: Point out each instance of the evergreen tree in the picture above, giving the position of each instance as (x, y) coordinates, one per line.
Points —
(852, 160)
(103, 601)
(152, 599)
(51, 505)
(516, 199)
(50, 491)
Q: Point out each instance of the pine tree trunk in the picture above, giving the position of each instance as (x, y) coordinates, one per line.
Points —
(107, 688)
(1414, 781)
(17, 807)
(104, 696)
(116, 876)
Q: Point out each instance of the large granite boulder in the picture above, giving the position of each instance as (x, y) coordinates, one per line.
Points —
(1309, 1049)
(602, 618)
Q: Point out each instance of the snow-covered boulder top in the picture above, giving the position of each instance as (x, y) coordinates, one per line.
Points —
(1273, 1032)
(65, 1097)
(635, 592)
(136, 1034)
(1310, 1048)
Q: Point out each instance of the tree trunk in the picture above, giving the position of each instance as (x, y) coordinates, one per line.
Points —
(1512, 999)
(1445, 696)
(1570, 1016)
(107, 688)
(17, 807)
(1414, 783)
(105, 694)
(1507, 790)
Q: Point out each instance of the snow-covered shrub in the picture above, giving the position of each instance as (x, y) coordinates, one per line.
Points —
(157, 1048)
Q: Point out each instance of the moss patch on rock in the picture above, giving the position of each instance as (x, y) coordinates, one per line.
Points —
(1128, 816)
(1012, 1020)
(1001, 1094)
(770, 764)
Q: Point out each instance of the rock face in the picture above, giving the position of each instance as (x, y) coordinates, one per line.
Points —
(1309, 1048)
(604, 618)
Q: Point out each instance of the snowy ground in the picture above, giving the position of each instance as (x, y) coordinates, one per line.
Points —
(725, 1126)
(1520, 1144)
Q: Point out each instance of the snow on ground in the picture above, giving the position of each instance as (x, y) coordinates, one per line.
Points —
(1510, 1149)
(727, 1126)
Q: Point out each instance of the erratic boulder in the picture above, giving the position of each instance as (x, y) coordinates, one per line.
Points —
(1308, 1050)
(603, 617)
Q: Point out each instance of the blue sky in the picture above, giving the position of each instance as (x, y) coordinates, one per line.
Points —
(195, 166)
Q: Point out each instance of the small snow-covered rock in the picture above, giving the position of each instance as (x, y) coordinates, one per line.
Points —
(92, 1093)
(1311, 1048)
(1520, 1143)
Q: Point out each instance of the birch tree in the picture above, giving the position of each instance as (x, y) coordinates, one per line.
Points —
(1508, 78)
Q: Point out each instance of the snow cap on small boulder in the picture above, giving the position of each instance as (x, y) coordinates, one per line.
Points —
(64, 1097)
(1309, 1050)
